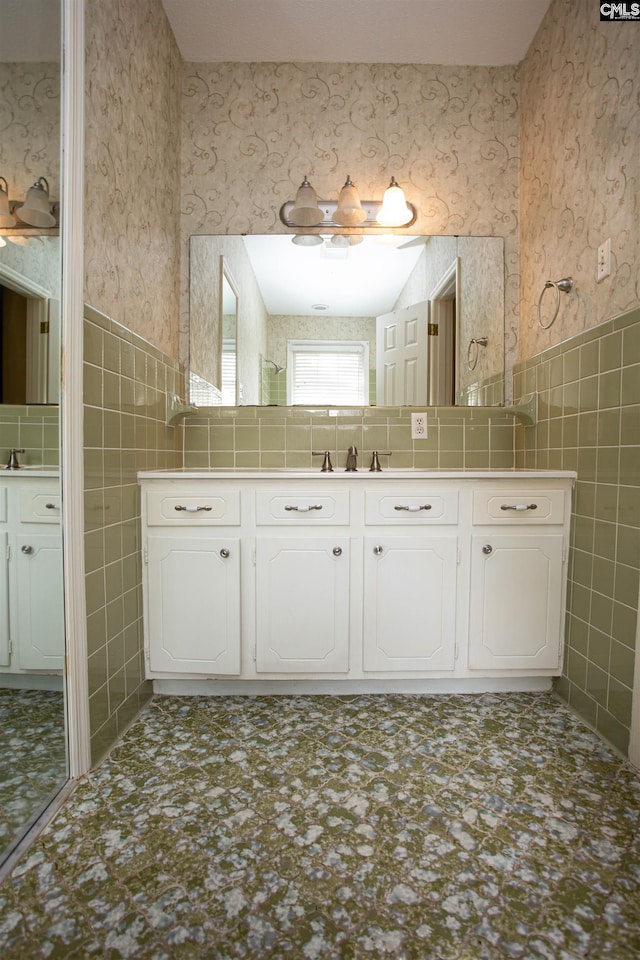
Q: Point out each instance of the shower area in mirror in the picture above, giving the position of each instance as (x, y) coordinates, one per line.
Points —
(33, 741)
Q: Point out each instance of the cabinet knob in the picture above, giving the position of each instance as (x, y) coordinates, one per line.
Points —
(377, 550)
(224, 553)
(26, 548)
(337, 551)
(487, 549)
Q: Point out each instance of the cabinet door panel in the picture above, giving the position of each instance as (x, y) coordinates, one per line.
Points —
(516, 609)
(409, 603)
(302, 595)
(38, 620)
(194, 605)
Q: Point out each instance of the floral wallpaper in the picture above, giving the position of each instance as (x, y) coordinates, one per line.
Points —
(450, 136)
(132, 146)
(580, 171)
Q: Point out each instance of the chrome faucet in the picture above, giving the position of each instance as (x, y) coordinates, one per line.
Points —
(13, 458)
(375, 463)
(352, 454)
(326, 463)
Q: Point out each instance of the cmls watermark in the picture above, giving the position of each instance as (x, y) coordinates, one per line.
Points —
(620, 11)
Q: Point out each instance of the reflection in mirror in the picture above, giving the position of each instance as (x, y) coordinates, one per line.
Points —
(33, 759)
(420, 304)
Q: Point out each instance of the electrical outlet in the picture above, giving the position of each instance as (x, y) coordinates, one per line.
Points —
(604, 260)
(418, 426)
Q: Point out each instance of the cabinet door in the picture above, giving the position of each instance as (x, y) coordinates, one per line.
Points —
(409, 603)
(193, 605)
(302, 605)
(516, 605)
(38, 616)
(5, 653)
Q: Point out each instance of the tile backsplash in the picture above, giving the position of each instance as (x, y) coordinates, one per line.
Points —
(34, 429)
(269, 437)
(589, 421)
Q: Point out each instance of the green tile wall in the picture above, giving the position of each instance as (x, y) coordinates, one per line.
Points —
(589, 421)
(35, 429)
(125, 385)
(458, 438)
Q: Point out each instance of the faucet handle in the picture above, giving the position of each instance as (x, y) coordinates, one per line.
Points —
(375, 463)
(326, 463)
(13, 458)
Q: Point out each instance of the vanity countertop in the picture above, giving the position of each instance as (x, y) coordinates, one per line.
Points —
(27, 472)
(314, 473)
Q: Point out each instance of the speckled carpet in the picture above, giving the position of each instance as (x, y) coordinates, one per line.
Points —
(33, 760)
(328, 828)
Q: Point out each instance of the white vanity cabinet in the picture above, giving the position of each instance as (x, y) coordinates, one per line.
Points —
(518, 552)
(450, 581)
(192, 583)
(31, 604)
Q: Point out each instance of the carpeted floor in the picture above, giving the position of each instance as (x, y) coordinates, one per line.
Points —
(33, 759)
(328, 828)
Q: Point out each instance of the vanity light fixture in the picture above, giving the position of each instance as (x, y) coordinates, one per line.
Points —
(35, 211)
(394, 211)
(348, 211)
(6, 217)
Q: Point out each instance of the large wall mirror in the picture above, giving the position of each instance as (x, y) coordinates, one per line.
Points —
(33, 751)
(377, 319)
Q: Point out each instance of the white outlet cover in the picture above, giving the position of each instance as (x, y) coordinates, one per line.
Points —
(418, 426)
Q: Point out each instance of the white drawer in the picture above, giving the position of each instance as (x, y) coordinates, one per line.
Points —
(413, 508)
(518, 506)
(310, 508)
(172, 508)
(3, 504)
(40, 506)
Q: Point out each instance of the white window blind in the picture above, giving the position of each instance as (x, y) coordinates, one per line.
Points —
(328, 371)
(229, 374)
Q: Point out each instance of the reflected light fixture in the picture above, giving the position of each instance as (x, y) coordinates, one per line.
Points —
(35, 210)
(306, 212)
(307, 239)
(6, 217)
(394, 211)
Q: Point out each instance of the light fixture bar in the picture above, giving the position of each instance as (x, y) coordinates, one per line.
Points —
(329, 207)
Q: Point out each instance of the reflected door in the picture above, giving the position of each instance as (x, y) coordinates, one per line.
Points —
(402, 356)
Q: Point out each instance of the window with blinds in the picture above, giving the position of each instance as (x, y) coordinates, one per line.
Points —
(328, 371)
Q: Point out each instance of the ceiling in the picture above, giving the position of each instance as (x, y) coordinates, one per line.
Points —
(360, 281)
(480, 32)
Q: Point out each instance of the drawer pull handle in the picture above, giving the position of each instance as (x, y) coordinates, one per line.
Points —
(52, 506)
(224, 553)
(337, 551)
(487, 549)
(416, 509)
(191, 509)
(311, 506)
(378, 550)
(26, 548)
(520, 507)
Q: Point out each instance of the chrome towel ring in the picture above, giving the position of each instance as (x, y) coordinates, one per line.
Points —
(472, 354)
(566, 285)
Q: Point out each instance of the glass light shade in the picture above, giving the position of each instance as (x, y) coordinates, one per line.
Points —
(394, 211)
(306, 212)
(349, 212)
(35, 209)
(6, 218)
(307, 239)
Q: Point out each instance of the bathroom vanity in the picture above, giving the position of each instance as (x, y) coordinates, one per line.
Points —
(399, 580)
(31, 612)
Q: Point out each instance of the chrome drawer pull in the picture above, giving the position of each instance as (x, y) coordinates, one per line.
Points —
(191, 509)
(312, 506)
(224, 553)
(337, 551)
(520, 507)
(52, 506)
(416, 509)
(26, 548)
